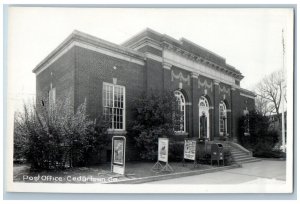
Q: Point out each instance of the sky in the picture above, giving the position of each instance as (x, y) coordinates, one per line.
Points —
(249, 39)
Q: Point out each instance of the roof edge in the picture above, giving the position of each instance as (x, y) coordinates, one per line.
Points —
(80, 36)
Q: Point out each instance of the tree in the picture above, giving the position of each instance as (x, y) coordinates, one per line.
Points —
(154, 116)
(261, 137)
(57, 136)
(271, 92)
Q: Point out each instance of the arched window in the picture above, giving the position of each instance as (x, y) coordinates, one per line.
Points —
(180, 112)
(204, 118)
(203, 102)
(223, 119)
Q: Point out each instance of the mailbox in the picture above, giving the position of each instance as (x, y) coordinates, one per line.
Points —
(217, 153)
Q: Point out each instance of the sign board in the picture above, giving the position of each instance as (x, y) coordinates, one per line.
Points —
(163, 148)
(118, 154)
(190, 149)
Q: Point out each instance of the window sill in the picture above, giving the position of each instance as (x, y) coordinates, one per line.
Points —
(181, 133)
(117, 132)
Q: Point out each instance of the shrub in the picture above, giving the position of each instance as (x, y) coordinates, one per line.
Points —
(176, 150)
(269, 154)
(154, 115)
(56, 137)
(228, 159)
(261, 138)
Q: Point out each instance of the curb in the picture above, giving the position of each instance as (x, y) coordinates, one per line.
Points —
(174, 175)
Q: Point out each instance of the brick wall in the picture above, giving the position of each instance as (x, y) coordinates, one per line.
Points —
(62, 78)
(80, 73)
(92, 69)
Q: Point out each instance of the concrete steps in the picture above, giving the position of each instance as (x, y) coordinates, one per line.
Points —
(239, 155)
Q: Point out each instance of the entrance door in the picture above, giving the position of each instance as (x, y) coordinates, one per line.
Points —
(203, 118)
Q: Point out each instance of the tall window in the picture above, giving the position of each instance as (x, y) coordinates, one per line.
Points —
(114, 105)
(52, 96)
(180, 110)
(223, 119)
(203, 118)
(246, 122)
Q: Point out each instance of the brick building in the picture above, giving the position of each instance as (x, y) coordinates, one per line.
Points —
(109, 77)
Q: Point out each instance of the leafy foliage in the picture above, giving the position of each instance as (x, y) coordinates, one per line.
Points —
(261, 137)
(57, 136)
(154, 116)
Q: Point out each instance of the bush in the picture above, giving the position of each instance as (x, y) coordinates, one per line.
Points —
(154, 115)
(269, 154)
(176, 149)
(228, 159)
(56, 137)
(261, 138)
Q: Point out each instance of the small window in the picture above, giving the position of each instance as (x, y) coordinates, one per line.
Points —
(114, 105)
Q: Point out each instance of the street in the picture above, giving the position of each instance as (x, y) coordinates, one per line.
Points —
(262, 172)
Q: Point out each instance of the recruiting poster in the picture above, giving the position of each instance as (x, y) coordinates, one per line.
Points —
(163, 148)
(118, 154)
(190, 149)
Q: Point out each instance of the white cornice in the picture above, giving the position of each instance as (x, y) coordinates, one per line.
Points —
(196, 67)
(199, 59)
(92, 42)
(153, 56)
(145, 41)
(89, 47)
(246, 95)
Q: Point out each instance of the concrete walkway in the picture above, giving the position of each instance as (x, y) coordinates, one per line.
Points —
(265, 171)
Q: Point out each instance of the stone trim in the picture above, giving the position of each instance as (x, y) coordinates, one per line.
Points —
(248, 96)
(92, 43)
(167, 66)
(145, 41)
(110, 53)
(199, 59)
(153, 57)
(195, 75)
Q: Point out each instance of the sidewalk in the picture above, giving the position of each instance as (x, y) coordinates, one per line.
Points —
(136, 172)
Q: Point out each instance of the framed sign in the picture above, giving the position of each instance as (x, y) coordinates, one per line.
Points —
(190, 149)
(118, 154)
(163, 149)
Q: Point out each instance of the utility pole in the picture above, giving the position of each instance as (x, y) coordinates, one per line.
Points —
(282, 97)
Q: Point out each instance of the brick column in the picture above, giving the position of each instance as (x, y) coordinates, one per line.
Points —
(195, 108)
(167, 76)
(216, 103)
(233, 115)
(229, 123)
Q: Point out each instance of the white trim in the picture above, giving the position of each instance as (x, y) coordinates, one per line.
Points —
(195, 75)
(153, 56)
(110, 53)
(222, 103)
(148, 44)
(89, 47)
(55, 58)
(124, 104)
(246, 95)
(145, 41)
(167, 66)
(206, 110)
(201, 69)
(184, 113)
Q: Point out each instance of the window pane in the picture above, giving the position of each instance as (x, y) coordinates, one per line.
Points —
(113, 102)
